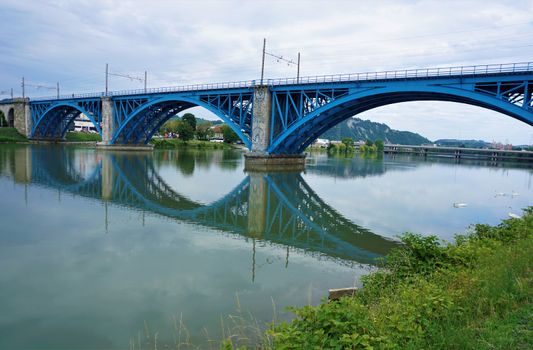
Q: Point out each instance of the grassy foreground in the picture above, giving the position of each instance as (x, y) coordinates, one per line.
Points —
(11, 135)
(82, 137)
(176, 143)
(474, 294)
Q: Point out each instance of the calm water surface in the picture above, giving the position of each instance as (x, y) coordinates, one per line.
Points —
(100, 250)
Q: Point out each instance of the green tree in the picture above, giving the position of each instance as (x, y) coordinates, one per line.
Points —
(204, 131)
(3, 122)
(170, 126)
(190, 119)
(379, 145)
(369, 143)
(228, 134)
(185, 131)
(348, 142)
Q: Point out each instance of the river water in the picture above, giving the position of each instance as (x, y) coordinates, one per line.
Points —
(110, 250)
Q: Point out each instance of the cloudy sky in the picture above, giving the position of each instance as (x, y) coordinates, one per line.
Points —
(187, 42)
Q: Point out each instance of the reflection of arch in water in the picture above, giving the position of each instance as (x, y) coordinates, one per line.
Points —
(65, 177)
(278, 208)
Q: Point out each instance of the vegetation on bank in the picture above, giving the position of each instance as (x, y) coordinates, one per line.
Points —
(188, 128)
(73, 136)
(476, 293)
(347, 147)
(3, 120)
(11, 135)
(177, 143)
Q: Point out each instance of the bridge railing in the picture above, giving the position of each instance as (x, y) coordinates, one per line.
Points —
(167, 89)
(334, 78)
(409, 73)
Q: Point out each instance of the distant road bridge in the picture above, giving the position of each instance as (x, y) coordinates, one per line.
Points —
(281, 116)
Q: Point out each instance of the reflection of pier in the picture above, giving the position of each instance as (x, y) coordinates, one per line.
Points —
(279, 208)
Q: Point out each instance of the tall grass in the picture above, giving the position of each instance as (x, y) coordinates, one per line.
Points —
(431, 295)
(11, 135)
(74, 136)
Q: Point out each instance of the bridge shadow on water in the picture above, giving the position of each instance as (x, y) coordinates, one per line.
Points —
(278, 208)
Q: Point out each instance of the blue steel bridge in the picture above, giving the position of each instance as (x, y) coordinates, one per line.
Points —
(277, 208)
(280, 116)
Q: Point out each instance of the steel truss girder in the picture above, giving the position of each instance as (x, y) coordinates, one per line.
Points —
(300, 116)
(137, 118)
(50, 119)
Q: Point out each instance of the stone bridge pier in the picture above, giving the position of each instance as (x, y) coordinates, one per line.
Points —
(18, 115)
(259, 159)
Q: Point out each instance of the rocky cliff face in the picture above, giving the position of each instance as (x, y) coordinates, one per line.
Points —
(358, 129)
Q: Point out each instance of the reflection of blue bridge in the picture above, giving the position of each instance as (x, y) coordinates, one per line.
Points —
(282, 116)
(278, 208)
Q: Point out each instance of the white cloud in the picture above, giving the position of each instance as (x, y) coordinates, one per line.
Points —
(183, 42)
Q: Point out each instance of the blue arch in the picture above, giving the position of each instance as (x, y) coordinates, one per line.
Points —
(67, 104)
(345, 107)
(179, 98)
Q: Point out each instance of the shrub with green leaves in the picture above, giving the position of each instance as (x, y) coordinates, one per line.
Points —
(430, 295)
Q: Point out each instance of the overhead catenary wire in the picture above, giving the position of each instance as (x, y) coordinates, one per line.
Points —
(122, 75)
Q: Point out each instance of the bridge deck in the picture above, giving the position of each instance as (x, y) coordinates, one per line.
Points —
(404, 74)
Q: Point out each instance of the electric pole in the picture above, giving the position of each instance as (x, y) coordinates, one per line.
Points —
(23, 92)
(279, 58)
(298, 71)
(106, 76)
(145, 75)
(263, 61)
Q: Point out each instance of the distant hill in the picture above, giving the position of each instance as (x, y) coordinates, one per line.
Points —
(358, 129)
(462, 143)
(201, 120)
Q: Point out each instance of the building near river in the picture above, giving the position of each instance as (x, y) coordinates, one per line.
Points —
(82, 123)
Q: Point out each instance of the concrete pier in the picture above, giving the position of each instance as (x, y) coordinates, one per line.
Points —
(257, 205)
(258, 159)
(267, 162)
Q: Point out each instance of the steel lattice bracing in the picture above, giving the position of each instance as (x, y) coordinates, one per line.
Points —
(137, 118)
(301, 109)
(301, 113)
(51, 118)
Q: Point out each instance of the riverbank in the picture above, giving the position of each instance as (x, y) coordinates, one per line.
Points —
(176, 143)
(474, 294)
(11, 135)
(82, 137)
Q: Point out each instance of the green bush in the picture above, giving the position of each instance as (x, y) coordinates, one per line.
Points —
(177, 143)
(430, 295)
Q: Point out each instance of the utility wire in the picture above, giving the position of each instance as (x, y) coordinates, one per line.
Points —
(127, 76)
(281, 58)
